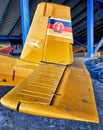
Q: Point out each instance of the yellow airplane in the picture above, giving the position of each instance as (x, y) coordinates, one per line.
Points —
(48, 82)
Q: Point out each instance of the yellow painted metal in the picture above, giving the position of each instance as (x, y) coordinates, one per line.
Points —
(33, 49)
(40, 46)
(40, 86)
(74, 98)
(57, 51)
(13, 70)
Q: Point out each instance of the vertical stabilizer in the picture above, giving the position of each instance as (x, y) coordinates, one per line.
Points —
(50, 36)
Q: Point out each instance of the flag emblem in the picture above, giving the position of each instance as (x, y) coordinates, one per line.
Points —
(60, 28)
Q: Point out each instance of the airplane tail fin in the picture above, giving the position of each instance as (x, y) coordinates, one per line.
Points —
(50, 36)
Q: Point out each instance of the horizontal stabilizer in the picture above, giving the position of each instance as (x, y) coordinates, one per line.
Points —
(52, 93)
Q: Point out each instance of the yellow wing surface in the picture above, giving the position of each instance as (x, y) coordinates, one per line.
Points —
(55, 91)
(13, 70)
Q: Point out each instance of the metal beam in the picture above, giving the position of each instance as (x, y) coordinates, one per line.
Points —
(90, 27)
(100, 1)
(100, 11)
(65, 2)
(5, 13)
(3, 37)
(19, 20)
(80, 44)
(98, 45)
(25, 18)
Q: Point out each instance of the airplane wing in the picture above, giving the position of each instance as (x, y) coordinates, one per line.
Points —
(55, 91)
(13, 70)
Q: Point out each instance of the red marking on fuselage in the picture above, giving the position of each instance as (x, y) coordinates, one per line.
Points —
(6, 50)
(4, 80)
(13, 75)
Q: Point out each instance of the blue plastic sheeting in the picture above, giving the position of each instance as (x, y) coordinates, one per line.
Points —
(25, 18)
(95, 68)
(90, 28)
(10, 38)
